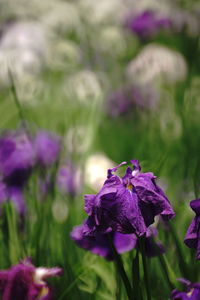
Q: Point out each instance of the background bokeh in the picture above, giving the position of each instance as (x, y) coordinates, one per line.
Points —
(115, 80)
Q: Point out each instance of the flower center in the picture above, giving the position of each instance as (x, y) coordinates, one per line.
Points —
(190, 293)
(43, 292)
(129, 186)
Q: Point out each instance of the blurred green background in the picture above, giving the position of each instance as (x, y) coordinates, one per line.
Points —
(113, 95)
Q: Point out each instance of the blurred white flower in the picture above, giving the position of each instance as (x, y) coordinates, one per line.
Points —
(78, 139)
(83, 86)
(20, 9)
(62, 17)
(156, 62)
(192, 100)
(23, 48)
(64, 55)
(30, 90)
(96, 167)
(170, 125)
(170, 121)
(60, 210)
(104, 11)
(111, 40)
(161, 6)
(185, 20)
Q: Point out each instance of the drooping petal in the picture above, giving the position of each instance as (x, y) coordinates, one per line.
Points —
(192, 238)
(99, 243)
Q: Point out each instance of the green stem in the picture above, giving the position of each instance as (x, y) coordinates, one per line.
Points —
(136, 276)
(118, 285)
(182, 264)
(14, 92)
(121, 270)
(165, 271)
(146, 275)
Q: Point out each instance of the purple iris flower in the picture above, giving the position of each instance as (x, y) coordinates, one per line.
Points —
(47, 148)
(192, 291)
(128, 204)
(147, 24)
(99, 243)
(192, 238)
(16, 163)
(69, 179)
(26, 282)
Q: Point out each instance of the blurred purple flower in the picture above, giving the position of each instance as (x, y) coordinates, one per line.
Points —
(148, 23)
(16, 158)
(16, 162)
(47, 148)
(69, 179)
(26, 282)
(128, 204)
(192, 238)
(192, 291)
(126, 99)
(99, 243)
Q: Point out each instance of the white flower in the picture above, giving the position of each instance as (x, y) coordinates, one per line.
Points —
(96, 168)
(104, 11)
(78, 139)
(156, 62)
(60, 210)
(111, 40)
(62, 17)
(23, 48)
(64, 55)
(83, 86)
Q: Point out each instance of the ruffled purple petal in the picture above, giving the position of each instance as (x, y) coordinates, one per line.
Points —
(192, 237)
(153, 199)
(89, 203)
(195, 205)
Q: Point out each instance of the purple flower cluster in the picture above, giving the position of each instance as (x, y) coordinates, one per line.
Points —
(26, 282)
(191, 291)
(122, 211)
(148, 24)
(19, 154)
(192, 238)
(16, 163)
